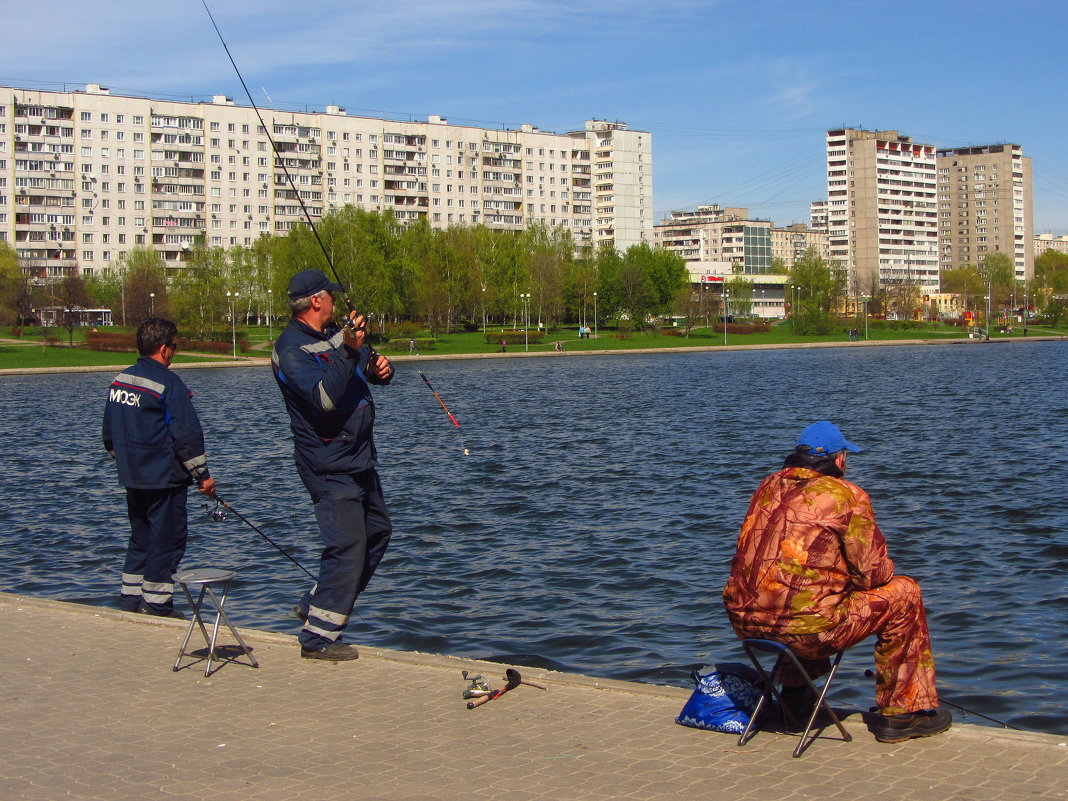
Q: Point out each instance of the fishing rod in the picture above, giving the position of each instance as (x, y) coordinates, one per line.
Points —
(292, 184)
(426, 381)
(218, 515)
(870, 674)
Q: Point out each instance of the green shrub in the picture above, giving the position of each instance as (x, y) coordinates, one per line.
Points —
(533, 337)
(399, 345)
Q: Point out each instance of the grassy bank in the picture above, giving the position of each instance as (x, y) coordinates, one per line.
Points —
(29, 351)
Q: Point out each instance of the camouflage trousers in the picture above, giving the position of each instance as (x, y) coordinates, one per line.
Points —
(904, 664)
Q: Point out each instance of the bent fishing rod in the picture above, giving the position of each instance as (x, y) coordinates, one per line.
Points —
(218, 516)
(292, 184)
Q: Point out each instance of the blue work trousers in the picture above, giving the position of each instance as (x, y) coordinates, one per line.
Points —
(158, 532)
(355, 530)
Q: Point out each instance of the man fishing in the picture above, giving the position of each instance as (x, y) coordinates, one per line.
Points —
(323, 372)
(152, 432)
(811, 571)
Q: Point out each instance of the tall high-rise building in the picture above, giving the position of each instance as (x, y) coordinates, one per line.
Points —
(87, 175)
(622, 183)
(984, 196)
(882, 215)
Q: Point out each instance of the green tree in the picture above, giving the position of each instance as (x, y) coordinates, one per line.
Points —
(740, 296)
(819, 288)
(966, 282)
(145, 286)
(198, 292)
(72, 294)
(1051, 272)
(14, 287)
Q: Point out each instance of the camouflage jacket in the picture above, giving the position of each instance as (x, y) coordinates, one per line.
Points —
(808, 541)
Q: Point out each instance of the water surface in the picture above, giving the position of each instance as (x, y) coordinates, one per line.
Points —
(591, 527)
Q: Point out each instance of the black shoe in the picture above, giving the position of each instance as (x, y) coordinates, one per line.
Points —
(898, 728)
(334, 652)
(147, 610)
(298, 612)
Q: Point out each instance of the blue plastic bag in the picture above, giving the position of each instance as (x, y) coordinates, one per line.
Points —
(723, 699)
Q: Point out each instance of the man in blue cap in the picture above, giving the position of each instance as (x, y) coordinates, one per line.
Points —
(324, 372)
(811, 571)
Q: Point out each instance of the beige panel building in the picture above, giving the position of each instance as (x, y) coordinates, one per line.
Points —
(985, 206)
(882, 208)
(86, 175)
(793, 241)
(1044, 242)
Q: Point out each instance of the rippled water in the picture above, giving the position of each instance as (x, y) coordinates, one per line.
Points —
(591, 527)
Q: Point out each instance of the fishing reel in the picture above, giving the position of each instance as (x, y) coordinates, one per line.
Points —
(477, 687)
(218, 514)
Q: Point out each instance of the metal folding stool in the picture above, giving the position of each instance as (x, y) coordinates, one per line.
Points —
(208, 579)
(783, 655)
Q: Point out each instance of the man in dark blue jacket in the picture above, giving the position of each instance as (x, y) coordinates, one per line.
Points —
(152, 432)
(324, 372)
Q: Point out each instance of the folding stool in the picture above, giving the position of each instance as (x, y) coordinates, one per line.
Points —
(206, 577)
(783, 656)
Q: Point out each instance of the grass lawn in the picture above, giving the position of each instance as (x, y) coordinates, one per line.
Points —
(28, 352)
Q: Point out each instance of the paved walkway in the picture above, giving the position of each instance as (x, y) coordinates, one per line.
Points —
(92, 710)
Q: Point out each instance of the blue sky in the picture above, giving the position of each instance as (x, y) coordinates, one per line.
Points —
(737, 95)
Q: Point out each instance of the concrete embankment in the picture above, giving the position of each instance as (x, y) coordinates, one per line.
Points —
(93, 710)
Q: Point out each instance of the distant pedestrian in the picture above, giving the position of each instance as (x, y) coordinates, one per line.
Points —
(152, 432)
(411, 347)
(504, 346)
(559, 346)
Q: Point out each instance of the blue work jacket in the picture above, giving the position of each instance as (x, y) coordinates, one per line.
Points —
(326, 392)
(152, 430)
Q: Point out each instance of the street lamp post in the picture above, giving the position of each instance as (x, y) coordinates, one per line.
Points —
(866, 299)
(526, 320)
(725, 314)
(595, 315)
(231, 298)
(270, 313)
(151, 304)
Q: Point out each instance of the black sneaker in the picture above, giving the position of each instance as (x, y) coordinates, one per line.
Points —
(334, 652)
(298, 612)
(898, 728)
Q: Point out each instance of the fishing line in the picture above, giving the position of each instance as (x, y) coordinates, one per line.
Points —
(285, 169)
(218, 515)
(426, 381)
(870, 674)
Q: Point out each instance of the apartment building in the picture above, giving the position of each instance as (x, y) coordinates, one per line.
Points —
(882, 208)
(86, 175)
(792, 242)
(984, 201)
(817, 215)
(712, 233)
(1044, 242)
(622, 183)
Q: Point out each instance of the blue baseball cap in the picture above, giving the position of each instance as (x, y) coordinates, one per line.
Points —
(824, 437)
(310, 282)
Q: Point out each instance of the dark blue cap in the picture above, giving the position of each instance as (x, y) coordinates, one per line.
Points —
(310, 282)
(824, 437)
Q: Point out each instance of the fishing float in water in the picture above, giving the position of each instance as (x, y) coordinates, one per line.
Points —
(426, 381)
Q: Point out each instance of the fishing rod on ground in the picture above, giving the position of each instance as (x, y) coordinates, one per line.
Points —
(426, 381)
(289, 178)
(218, 515)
